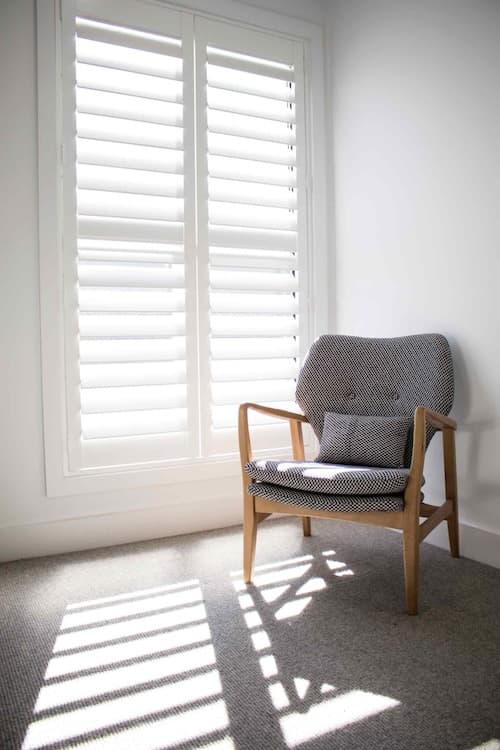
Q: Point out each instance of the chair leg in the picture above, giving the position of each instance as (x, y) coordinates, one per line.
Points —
(411, 566)
(452, 522)
(249, 536)
(450, 480)
(306, 525)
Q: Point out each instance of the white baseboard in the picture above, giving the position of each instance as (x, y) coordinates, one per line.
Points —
(19, 541)
(477, 544)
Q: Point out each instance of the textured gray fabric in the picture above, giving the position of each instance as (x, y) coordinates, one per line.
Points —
(312, 476)
(322, 501)
(347, 642)
(364, 441)
(383, 377)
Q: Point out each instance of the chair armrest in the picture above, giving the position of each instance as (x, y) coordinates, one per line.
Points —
(278, 413)
(293, 418)
(439, 421)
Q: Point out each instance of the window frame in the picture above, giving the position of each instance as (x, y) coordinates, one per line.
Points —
(54, 264)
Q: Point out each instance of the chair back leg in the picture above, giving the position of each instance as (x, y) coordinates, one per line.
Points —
(450, 480)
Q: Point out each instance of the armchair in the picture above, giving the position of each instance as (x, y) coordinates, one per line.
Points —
(408, 378)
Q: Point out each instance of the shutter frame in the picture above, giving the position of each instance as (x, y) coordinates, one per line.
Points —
(56, 268)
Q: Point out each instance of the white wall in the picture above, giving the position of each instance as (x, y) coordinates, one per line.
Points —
(30, 523)
(416, 123)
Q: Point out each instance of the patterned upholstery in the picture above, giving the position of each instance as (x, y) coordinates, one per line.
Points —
(364, 441)
(321, 501)
(380, 377)
(365, 377)
(329, 478)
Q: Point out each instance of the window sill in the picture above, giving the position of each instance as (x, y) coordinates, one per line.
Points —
(60, 484)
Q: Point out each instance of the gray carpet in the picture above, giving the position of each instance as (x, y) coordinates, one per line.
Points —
(157, 645)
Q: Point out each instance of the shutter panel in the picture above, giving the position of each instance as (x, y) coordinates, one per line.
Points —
(248, 183)
(130, 238)
(186, 296)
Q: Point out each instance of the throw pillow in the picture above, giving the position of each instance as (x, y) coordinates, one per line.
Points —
(364, 441)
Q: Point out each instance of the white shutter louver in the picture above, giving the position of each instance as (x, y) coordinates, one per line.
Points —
(251, 198)
(131, 268)
(182, 299)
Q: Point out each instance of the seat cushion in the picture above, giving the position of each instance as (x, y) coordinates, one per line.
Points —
(332, 479)
(317, 501)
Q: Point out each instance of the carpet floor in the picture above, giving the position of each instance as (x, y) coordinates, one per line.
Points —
(160, 645)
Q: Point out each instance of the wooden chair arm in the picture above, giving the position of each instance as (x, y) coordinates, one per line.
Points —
(278, 413)
(293, 418)
(439, 421)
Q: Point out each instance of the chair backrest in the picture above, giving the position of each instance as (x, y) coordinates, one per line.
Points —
(379, 377)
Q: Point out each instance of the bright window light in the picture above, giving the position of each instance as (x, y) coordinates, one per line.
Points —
(99, 683)
(133, 595)
(280, 564)
(326, 688)
(271, 595)
(239, 585)
(335, 564)
(126, 694)
(186, 727)
(293, 608)
(123, 652)
(246, 601)
(313, 584)
(253, 619)
(277, 576)
(332, 714)
(127, 609)
(260, 640)
(278, 695)
(109, 714)
(301, 686)
(128, 628)
(268, 666)
(225, 744)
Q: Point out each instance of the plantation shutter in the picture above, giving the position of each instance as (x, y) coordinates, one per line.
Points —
(248, 192)
(186, 295)
(133, 369)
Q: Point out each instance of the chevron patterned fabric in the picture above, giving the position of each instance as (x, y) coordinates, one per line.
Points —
(364, 441)
(376, 377)
(321, 501)
(345, 377)
(330, 478)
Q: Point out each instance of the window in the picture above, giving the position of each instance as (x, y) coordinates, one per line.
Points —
(183, 234)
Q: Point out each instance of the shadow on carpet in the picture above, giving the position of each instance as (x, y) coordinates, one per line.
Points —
(161, 645)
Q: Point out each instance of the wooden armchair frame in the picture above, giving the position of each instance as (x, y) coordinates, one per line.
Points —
(256, 509)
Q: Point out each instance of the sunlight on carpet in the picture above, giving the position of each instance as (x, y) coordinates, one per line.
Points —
(139, 669)
(322, 716)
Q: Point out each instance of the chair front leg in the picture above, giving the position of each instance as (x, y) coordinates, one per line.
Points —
(411, 528)
(249, 536)
(411, 550)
